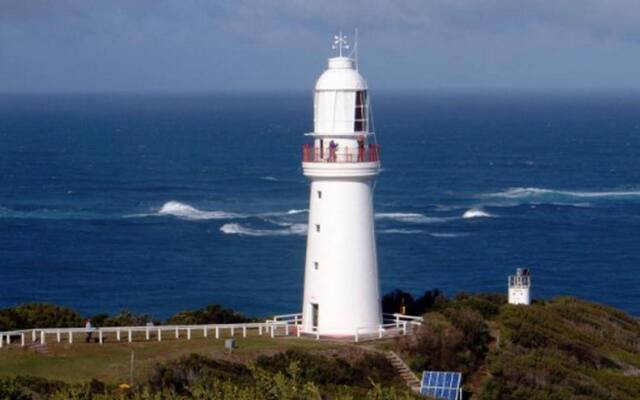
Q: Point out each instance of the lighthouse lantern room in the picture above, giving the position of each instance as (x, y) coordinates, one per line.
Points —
(341, 288)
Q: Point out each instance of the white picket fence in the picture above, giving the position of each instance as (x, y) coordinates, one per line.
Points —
(280, 325)
(42, 335)
(393, 325)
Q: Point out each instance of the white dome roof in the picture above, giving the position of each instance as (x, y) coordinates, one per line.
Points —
(341, 75)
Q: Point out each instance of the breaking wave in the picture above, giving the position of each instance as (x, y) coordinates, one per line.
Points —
(414, 218)
(238, 229)
(448, 235)
(536, 193)
(269, 178)
(476, 213)
(181, 210)
(400, 231)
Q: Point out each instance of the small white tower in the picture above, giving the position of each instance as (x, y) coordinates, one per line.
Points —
(341, 289)
(520, 287)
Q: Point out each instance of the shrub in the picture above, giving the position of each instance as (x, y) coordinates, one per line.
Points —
(212, 314)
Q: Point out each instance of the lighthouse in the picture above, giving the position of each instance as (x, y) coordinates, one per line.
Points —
(520, 287)
(342, 161)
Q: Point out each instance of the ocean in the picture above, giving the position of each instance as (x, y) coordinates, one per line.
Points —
(160, 203)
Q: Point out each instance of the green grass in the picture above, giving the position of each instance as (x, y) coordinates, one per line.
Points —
(110, 362)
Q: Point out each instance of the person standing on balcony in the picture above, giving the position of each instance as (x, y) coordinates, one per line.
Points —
(332, 150)
(360, 148)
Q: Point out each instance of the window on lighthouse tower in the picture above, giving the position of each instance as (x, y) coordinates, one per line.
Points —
(360, 120)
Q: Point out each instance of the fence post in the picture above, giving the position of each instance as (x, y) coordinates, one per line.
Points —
(22, 339)
(273, 332)
(380, 332)
(217, 332)
(404, 328)
(204, 331)
(188, 333)
(43, 339)
(232, 330)
(244, 331)
(70, 337)
(177, 333)
(130, 338)
(33, 335)
(260, 329)
(298, 329)
(286, 332)
(159, 334)
(1, 340)
(58, 335)
(397, 321)
(100, 336)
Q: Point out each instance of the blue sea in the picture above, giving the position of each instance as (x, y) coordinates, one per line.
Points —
(160, 203)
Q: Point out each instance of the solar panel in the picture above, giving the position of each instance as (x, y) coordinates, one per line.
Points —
(441, 385)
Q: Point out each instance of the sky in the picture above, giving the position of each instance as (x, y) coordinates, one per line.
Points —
(241, 45)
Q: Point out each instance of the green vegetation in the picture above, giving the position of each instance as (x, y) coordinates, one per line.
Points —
(563, 348)
(559, 349)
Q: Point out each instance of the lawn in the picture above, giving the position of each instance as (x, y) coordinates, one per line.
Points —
(110, 362)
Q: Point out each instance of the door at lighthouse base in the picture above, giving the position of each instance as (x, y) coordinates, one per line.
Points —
(315, 309)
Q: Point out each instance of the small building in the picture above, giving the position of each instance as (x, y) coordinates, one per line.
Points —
(520, 287)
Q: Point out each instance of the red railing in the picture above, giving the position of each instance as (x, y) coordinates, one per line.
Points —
(370, 153)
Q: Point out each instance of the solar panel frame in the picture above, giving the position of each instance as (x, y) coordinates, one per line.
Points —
(443, 385)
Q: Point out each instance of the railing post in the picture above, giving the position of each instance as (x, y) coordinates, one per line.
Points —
(260, 329)
(1, 340)
(204, 331)
(244, 331)
(159, 334)
(130, 338)
(217, 332)
(317, 335)
(232, 331)
(404, 328)
(70, 337)
(380, 332)
(286, 330)
(298, 329)
(188, 333)
(397, 321)
(33, 335)
(42, 338)
(58, 335)
(100, 336)
(273, 333)
(22, 339)
(118, 334)
(146, 334)
(177, 333)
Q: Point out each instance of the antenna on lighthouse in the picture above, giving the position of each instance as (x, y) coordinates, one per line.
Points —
(355, 48)
(340, 42)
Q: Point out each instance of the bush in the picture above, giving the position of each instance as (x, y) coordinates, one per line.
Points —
(212, 314)
(38, 315)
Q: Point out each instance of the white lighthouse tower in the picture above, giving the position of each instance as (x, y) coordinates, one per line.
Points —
(520, 287)
(341, 289)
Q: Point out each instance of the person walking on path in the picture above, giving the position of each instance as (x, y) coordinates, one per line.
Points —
(89, 329)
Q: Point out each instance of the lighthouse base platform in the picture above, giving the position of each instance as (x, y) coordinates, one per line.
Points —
(394, 325)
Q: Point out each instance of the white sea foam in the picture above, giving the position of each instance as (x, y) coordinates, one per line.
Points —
(448, 235)
(476, 213)
(401, 231)
(181, 210)
(238, 229)
(269, 178)
(533, 192)
(414, 218)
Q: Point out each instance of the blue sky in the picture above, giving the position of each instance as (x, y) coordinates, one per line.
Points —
(207, 45)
